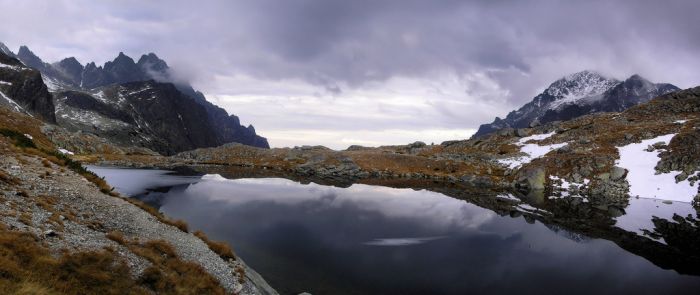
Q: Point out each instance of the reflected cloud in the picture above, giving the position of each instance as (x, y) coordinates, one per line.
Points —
(433, 207)
(394, 242)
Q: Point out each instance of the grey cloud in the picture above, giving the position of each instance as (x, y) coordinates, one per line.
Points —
(338, 43)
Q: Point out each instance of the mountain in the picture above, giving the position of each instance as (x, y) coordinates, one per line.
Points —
(142, 113)
(576, 95)
(22, 89)
(73, 84)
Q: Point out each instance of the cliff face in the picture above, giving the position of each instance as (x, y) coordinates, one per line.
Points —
(23, 89)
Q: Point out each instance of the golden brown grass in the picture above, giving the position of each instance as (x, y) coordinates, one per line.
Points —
(9, 179)
(27, 267)
(220, 248)
(180, 224)
(25, 218)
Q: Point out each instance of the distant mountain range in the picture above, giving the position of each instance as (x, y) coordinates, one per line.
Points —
(135, 103)
(576, 95)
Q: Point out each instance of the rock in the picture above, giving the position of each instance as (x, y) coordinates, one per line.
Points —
(533, 179)
(667, 202)
(535, 123)
(506, 132)
(355, 147)
(603, 176)
(659, 145)
(417, 144)
(615, 211)
(521, 132)
(617, 173)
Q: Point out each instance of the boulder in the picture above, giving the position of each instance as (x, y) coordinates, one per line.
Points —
(618, 173)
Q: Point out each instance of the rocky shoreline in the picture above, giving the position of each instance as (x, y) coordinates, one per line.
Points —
(577, 157)
(50, 199)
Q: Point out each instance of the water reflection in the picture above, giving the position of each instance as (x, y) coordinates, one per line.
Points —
(377, 240)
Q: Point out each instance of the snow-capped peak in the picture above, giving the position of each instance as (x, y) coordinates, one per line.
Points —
(579, 86)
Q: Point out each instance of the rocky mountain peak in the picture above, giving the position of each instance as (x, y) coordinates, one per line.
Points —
(71, 68)
(5, 50)
(29, 58)
(153, 66)
(580, 85)
(579, 94)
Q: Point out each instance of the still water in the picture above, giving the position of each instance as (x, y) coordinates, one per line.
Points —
(378, 240)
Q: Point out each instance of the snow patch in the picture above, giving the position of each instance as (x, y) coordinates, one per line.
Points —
(642, 177)
(65, 151)
(29, 136)
(51, 84)
(532, 150)
(5, 83)
(680, 121)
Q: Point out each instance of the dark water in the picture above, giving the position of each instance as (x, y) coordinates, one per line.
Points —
(378, 240)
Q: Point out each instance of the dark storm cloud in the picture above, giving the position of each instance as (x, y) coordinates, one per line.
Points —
(349, 43)
(494, 54)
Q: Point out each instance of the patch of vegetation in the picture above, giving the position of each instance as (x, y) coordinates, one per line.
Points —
(180, 224)
(220, 248)
(27, 267)
(20, 140)
(9, 179)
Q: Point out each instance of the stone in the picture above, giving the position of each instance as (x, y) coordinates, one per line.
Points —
(618, 173)
(533, 178)
(521, 132)
(417, 144)
(603, 176)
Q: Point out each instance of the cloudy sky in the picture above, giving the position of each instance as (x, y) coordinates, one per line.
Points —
(370, 72)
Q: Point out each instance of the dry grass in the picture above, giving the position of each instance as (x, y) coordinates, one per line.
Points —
(170, 275)
(27, 267)
(220, 248)
(180, 224)
(25, 218)
(117, 236)
(9, 179)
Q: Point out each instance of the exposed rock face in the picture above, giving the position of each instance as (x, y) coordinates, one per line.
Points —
(149, 114)
(22, 88)
(71, 69)
(68, 76)
(577, 95)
